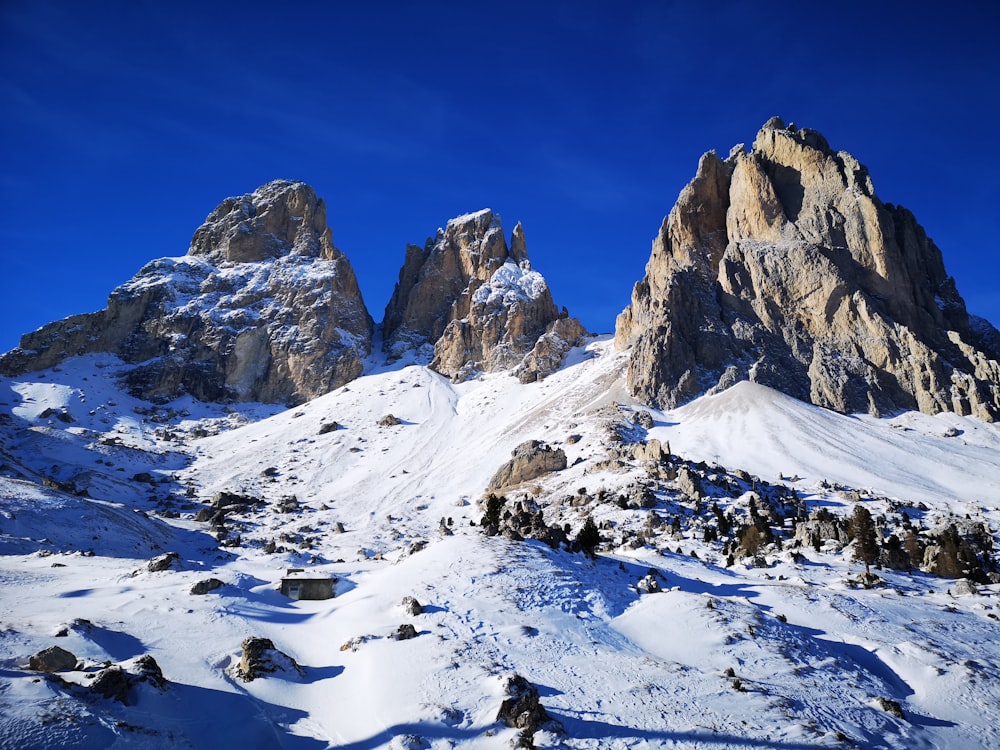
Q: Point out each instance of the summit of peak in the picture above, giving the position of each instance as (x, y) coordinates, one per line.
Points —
(281, 217)
(484, 216)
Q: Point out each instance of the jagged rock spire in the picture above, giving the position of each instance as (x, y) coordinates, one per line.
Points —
(469, 303)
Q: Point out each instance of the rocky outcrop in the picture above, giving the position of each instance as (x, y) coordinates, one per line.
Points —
(260, 658)
(529, 460)
(781, 266)
(466, 302)
(522, 519)
(262, 308)
(522, 708)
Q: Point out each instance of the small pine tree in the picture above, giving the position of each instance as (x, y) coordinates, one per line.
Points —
(949, 563)
(588, 537)
(723, 522)
(865, 541)
(914, 550)
(494, 505)
(750, 541)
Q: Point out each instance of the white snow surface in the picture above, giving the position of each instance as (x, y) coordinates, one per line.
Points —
(510, 285)
(787, 656)
(464, 218)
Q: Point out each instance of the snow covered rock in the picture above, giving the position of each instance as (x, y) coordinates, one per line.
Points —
(521, 708)
(113, 683)
(524, 519)
(405, 632)
(411, 606)
(260, 658)
(162, 562)
(781, 266)
(262, 308)
(468, 303)
(200, 588)
(650, 584)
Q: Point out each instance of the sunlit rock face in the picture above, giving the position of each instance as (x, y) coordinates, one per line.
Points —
(467, 302)
(780, 265)
(262, 308)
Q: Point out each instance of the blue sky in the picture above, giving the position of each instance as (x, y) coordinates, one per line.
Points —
(126, 123)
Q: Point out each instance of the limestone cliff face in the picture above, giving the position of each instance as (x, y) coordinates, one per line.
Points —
(262, 308)
(468, 303)
(780, 265)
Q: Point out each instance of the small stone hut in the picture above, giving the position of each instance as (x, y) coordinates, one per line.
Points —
(297, 584)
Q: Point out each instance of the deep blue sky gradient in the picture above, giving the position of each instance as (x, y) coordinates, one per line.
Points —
(126, 123)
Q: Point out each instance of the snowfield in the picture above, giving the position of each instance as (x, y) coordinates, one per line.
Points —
(781, 648)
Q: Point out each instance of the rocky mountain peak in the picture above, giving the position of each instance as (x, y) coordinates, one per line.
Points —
(781, 265)
(262, 308)
(279, 218)
(467, 302)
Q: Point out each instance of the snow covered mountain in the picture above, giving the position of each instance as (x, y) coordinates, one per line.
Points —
(263, 307)
(468, 303)
(521, 549)
(764, 637)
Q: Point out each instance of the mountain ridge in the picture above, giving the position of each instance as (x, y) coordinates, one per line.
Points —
(778, 264)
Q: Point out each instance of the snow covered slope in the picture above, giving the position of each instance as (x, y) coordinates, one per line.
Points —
(782, 648)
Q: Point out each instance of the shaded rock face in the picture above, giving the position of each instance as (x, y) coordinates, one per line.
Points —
(524, 519)
(467, 303)
(781, 266)
(112, 682)
(262, 308)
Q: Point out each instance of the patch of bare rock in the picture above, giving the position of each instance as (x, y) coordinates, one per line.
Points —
(529, 460)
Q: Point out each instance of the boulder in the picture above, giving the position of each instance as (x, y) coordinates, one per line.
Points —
(649, 585)
(529, 460)
(965, 587)
(523, 519)
(52, 659)
(411, 606)
(261, 658)
(145, 669)
(405, 632)
(521, 708)
(203, 587)
(162, 562)
(112, 682)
